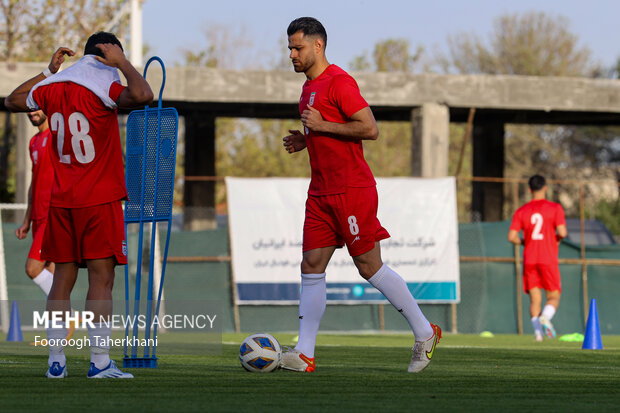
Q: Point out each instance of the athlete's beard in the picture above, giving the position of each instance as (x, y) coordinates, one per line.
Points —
(38, 122)
(304, 66)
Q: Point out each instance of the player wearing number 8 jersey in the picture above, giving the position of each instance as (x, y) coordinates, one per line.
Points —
(342, 198)
(85, 223)
(543, 226)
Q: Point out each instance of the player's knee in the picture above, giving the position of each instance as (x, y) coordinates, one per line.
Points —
(33, 269)
(366, 271)
(311, 265)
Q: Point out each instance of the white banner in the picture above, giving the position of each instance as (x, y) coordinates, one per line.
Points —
(266, 218)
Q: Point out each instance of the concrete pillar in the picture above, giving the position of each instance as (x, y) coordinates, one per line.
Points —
(23, 164)
(488, 148)
(430, 126)
(199, 196)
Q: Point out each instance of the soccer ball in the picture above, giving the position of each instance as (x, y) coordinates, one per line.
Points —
(260, 353)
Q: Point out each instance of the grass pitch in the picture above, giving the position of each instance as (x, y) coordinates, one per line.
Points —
(354, 373)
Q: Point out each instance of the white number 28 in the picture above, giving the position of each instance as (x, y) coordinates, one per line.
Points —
(81, 141)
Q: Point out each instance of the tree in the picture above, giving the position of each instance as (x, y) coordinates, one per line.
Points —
(537, 44)
(390, 55)
(531, 43)
(32, 29)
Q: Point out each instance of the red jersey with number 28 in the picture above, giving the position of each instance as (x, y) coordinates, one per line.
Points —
(336, 162)
(539, 219)
(86, 145)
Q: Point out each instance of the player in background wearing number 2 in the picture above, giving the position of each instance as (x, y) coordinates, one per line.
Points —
(342, 199)
(85, 224)
(543, 226)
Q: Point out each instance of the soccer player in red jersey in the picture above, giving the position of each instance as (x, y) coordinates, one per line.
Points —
(543, 226)
(85, 224)
(342, 198)
(39, 195)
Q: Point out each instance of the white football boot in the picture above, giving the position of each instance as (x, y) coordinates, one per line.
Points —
(423, 351)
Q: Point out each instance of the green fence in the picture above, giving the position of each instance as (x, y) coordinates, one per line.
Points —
(488, 289)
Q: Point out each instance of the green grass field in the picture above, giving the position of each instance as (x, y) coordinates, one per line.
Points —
(354, 373)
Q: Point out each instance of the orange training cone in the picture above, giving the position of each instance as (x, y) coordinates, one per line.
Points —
(592, 339)
(15, 328)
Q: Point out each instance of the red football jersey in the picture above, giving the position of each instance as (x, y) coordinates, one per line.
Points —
(539, 219)
(336, 162)
(87, 154)
(42, 174)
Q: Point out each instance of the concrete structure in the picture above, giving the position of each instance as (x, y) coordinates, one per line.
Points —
(429, 101)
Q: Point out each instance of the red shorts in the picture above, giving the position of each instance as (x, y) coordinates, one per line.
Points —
(545, 276)
(349, 218)
(80, 234)
(38, 229)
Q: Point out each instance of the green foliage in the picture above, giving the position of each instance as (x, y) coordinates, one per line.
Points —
(532, 43)
(33, 29)
(390, 55)
(254, 148)
(608, 212)
(390, 154)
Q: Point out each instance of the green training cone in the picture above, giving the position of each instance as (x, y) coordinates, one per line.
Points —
(592, 339)
(15, 328)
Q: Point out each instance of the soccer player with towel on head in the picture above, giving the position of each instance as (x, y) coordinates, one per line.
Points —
(85, 225)
(543, 226)
(342, 199)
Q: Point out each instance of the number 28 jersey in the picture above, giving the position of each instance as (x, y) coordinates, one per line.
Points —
(539, 219)
(86, 147)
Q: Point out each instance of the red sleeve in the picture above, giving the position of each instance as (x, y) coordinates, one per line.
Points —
(115, 90)
(346, 95)
(39, 97)
(516, 221)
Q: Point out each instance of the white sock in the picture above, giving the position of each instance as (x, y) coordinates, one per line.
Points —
(548, 312)
(312, 303)
(44, 281)
(395, 289)
(55, 336)
(99, 335)
(537, 326)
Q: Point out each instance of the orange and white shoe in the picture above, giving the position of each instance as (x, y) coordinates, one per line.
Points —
(296, 361)
(423, 351)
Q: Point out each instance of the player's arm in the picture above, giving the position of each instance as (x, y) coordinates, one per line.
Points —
(16, 101)
(513, 236)
(361, 125)
(561, 232)
(138, 92)
(294, 142)
(22, 231)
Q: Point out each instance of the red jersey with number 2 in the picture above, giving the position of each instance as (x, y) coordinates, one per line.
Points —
(538, 220)
(86, 145)
(336, 162)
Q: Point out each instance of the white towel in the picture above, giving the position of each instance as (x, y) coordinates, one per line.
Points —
(88, 72)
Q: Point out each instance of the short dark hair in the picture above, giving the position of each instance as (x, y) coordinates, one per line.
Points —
(537, 182)
(100, 38)
(309, 26)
